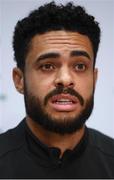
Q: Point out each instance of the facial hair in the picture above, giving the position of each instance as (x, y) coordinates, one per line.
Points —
(35, 110)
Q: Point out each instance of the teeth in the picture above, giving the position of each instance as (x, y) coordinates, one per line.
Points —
(64, 100)
(63, 103)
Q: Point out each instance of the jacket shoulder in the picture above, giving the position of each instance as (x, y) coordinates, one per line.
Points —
(101, 142)
(12, 139)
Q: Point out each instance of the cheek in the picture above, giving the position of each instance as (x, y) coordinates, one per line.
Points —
(40, 86)
(85, 87)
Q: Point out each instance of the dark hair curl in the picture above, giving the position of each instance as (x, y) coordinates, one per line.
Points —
(53, 17)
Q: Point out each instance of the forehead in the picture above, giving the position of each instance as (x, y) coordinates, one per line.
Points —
(61, 42)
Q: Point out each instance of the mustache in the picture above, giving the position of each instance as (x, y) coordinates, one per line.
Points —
(63, 90)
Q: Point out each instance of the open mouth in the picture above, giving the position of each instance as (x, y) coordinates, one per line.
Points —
(63, 102)
(64, 99)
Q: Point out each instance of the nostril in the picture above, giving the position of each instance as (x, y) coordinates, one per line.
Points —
(61, 85)
(71, 84)
(64, 81)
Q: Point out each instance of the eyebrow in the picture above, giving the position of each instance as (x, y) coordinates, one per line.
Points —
(80, 53)
(57, 55)
(48, 55)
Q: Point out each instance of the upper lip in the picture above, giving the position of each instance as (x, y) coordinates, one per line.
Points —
(64, 96)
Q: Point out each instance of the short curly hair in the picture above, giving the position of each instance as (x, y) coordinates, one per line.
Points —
(50, 17)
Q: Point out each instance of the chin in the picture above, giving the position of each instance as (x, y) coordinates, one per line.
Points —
(63, 116)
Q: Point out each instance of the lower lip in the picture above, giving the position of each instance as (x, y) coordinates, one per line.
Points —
(64, 107)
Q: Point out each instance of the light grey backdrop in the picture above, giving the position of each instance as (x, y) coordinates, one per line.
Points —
(11, 103)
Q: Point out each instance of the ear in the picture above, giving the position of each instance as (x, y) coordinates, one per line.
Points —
(18, 80)
(95, 76)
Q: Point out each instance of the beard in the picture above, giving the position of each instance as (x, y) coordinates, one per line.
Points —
(66, 125)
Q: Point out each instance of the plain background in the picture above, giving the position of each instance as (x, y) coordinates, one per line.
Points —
(12, 109)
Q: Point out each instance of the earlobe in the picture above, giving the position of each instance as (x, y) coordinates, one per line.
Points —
(18, 80)
(95, 75)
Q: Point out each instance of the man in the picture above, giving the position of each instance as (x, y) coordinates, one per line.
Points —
(55, 49)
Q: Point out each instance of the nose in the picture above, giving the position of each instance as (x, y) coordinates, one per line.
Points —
(64, 78)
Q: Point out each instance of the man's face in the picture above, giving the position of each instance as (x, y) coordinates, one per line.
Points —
(59, 80)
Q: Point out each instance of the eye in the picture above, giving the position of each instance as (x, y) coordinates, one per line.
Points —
(80, 67)
(47, 67)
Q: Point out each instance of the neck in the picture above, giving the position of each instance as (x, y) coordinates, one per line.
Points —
(51, 139)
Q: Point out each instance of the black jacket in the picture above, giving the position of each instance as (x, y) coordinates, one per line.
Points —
(22, 155)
